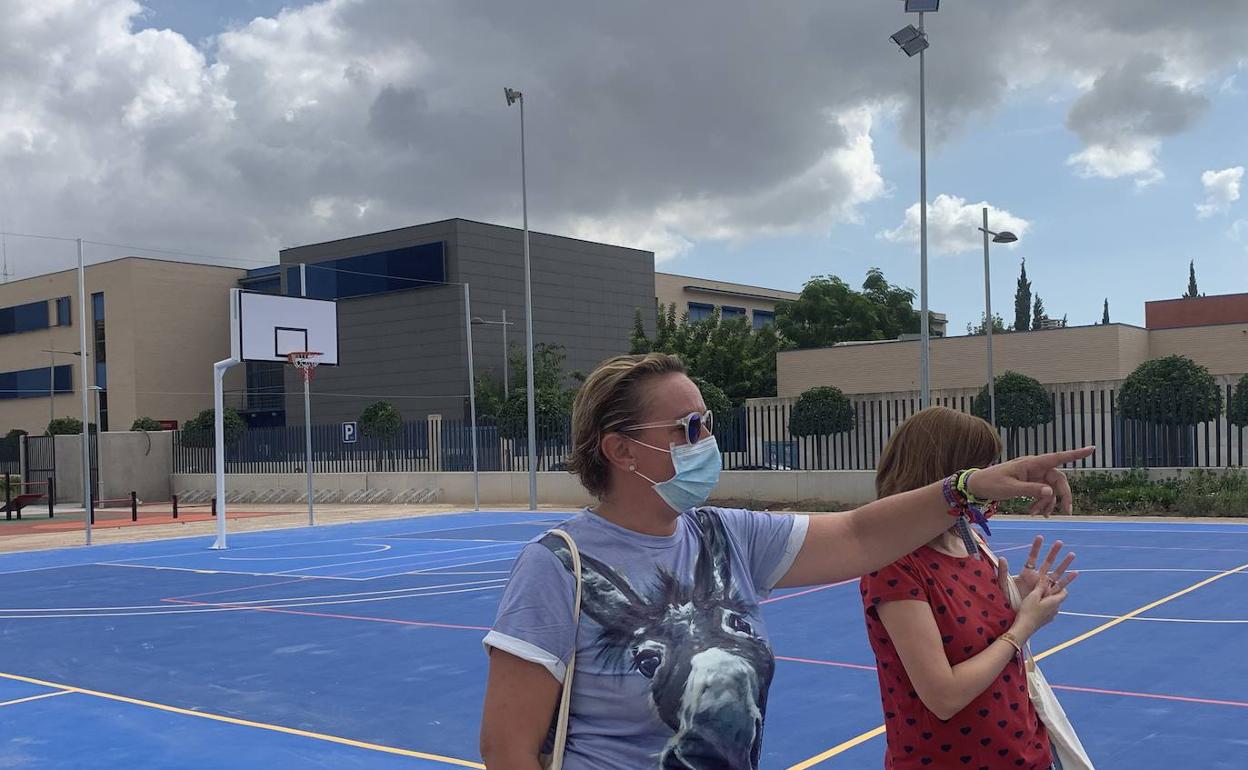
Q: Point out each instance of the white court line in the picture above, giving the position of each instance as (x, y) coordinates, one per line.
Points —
(379, 546)
(423, 563)
(216, 608)
(16, 701)
(1154, 569)
(1155, 620)
(430, 570)
(214, 571)
(388, 558)
(1049, 524)
(270, 601)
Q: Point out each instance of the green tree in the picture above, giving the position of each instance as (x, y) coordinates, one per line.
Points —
(67, 426)
(1175, 393)
(146, 423)
(998, 326)
(728, 354)
(1192, 291)
(829, 311)
(552, 408)
(1174, 390)
(1237, 409)
(638, 342)
(200, 431)
(1037, 313)
(715, 399)
(381, 419)
(1022, 301)
(1105, 313)
(1022, 402)
(821, 412)
(489, 396)
(552, 395)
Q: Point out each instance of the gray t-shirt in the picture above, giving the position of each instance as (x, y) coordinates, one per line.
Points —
(673, 662)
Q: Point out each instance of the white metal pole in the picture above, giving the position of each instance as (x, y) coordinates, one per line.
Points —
(924, 331)
(51, 384)
(992, 389)
(506, 351)
(218, 443)
(472, 401)
(83, 385)
(307, 438)
(528, 323)
(307, 411)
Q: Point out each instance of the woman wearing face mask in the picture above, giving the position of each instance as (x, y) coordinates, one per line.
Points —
(672, 663)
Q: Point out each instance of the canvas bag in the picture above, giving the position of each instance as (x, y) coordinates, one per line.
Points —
(554, 760)
(1070, 752)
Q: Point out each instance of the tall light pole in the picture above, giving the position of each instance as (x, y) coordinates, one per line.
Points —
(84, 383)
(1004, 236)
(514, 96)
(479, 321)
(914, 41)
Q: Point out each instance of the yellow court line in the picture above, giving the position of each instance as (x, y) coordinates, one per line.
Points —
(852, 742)
(248, 723)
(35, 697)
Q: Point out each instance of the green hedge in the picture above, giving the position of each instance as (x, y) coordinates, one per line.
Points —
(1194, 493)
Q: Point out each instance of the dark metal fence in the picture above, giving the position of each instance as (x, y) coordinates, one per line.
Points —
(756, 437)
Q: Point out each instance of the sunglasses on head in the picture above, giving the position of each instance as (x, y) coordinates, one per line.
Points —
(693, 423)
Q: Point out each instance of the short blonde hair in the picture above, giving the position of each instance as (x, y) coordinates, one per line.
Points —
(611, 399)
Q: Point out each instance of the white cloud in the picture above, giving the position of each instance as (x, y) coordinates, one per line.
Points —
(953, 225)
(730, 121)
(1221, 190)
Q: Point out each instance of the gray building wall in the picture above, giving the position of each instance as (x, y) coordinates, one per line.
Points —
(409, 347)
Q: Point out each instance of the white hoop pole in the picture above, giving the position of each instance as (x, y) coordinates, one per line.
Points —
(472, 402)
(218, 432)
(307, 409)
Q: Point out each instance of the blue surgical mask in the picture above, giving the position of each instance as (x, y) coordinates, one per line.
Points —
(697, 472)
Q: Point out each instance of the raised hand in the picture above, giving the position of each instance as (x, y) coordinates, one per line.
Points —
(1036, 477)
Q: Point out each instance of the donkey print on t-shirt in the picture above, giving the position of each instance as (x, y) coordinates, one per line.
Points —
(709, 670)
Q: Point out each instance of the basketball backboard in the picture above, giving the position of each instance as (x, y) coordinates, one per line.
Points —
(265, 327)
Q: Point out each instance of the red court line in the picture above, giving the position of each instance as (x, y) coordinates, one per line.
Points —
(393, 621)
(807, 591)
(1155, 696)
(834, 663)
(230, 590)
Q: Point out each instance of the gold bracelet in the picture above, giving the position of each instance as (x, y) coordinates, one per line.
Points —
(1008, 638)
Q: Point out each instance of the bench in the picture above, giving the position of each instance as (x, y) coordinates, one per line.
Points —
(18, 503)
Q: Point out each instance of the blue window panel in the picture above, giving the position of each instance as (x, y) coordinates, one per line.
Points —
(700, 312)
(727, 312)
(63, 379)
(101, 374)
(413, 267)
(763, 318)
(28, 318)
(64, 316)
(97, 306)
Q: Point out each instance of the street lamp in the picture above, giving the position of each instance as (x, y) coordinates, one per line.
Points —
(913, 41)
(514, 96)
(479, 321)
(52, 377)
(1005, 236)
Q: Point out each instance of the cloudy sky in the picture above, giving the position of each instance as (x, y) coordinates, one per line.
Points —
(756, 141)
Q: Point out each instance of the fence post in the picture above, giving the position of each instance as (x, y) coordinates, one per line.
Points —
(8, 498)
(51, 496)
(214, 506)
(175, 506)
(134, 506)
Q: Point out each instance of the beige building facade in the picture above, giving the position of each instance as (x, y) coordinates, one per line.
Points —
(1081, 354)
(699, 297)
(154, 328)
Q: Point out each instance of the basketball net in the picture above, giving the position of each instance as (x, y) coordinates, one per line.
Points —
(305, 361)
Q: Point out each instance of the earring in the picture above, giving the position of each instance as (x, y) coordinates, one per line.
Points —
(632, 468)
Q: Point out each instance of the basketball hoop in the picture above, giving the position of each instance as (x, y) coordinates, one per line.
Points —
(305, 361)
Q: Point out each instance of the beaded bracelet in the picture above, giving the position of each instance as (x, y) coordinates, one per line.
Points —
(962, 504)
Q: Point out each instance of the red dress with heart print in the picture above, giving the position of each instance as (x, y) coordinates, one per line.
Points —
(997, 730)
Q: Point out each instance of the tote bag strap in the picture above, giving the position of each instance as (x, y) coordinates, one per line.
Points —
(565, 698)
